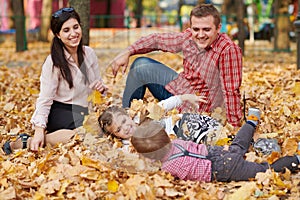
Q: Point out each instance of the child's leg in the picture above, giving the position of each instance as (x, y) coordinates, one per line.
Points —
(60, 136)
(244, 137)
(242, 140)
(290, 162)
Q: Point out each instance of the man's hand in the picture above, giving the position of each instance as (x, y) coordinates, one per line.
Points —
(120, 60)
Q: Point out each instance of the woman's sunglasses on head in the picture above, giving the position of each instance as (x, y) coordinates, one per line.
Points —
(60, 11)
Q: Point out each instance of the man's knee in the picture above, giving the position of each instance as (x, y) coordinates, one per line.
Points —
(139, 62)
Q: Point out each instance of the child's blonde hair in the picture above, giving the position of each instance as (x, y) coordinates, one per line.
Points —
(151, 140)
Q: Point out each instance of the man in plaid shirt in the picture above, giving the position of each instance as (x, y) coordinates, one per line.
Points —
(212, 65)
(197, 162)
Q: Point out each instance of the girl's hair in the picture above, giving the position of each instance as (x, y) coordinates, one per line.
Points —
(151, 140)
(106, 118)
(57, 47)
(204, 10)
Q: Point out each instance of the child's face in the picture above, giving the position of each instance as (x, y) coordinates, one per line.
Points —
(122, 126)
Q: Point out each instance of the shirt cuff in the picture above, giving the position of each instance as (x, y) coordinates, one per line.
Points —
(38, 121)
(170, 103)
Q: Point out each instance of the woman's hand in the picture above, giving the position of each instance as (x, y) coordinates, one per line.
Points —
(38, 139)
(99, 86)
(193, 99)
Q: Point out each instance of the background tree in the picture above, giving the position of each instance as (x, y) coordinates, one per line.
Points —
(19, 22)
(143, 8)
(83, 9)
(282, 26)
(139, 12)
(240, 6)
(45, 21)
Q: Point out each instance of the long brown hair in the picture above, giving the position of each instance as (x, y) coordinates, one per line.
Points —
(57, 47)
(151, 140)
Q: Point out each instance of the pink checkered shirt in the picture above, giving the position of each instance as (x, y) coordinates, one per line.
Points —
(214, 72)
(187, 167)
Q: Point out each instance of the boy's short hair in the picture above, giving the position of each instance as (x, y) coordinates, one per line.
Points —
(151, 140)
(204, 10)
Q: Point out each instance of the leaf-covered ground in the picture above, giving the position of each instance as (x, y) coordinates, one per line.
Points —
(94, 167)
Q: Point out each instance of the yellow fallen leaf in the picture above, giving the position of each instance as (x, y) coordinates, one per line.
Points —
(9, 193)
(223, 141)
(296, 89)
(156, 112)
(9, 106)
(97, 98)
(243, 192)
(287, 112)
(112, 186)
(90, 175)
(289, 146)
(91, 123)
(86, 161)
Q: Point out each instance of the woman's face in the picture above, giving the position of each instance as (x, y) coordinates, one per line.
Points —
(70, 34)
(122, 126)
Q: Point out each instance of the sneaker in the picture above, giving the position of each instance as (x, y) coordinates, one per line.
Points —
(266, 146)
(253, 116)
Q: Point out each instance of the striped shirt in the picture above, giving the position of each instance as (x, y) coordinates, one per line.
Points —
(187, 167)
(214, 72)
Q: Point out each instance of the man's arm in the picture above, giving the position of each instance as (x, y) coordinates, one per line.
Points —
(167, 42)
(231, 79)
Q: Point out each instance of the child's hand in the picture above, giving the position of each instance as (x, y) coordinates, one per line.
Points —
(193, 98)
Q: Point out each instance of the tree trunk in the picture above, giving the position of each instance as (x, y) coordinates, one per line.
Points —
(282, 26)
(180, 4)
(240, 18)
(19, 19)
(83, 9)
(45, 21)
(139, 13)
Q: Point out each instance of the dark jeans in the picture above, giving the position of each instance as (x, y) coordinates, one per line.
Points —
(147, 73)
(65, 116)
(231, 166)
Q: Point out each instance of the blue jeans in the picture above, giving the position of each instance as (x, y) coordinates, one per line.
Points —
(147, 73)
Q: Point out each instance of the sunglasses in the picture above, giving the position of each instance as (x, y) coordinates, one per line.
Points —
(60, 11)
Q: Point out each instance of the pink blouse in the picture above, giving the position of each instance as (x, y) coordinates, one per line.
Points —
(54, 87)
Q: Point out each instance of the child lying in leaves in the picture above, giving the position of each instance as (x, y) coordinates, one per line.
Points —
(116, 121)
(197, 162)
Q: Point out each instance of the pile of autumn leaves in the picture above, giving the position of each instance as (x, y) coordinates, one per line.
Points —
(94, 167)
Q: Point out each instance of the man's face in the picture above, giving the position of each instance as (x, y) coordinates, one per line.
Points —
(204, 30)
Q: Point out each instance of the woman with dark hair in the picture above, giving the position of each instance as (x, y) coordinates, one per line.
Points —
(68, 76)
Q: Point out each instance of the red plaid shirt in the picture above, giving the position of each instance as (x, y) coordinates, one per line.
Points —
(214, 72)
(187, 167)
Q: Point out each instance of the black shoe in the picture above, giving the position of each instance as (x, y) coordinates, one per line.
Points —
(6, 147)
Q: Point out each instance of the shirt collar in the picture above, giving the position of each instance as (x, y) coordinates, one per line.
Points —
(68, 56)
(213, 44)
